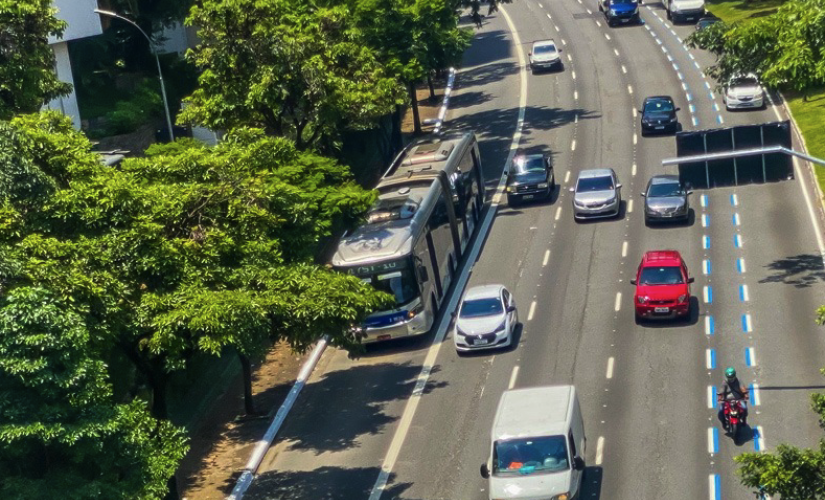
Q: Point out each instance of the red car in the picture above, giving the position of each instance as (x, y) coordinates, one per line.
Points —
(662, 286)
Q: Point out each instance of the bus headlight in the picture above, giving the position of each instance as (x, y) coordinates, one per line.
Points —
(415, 311)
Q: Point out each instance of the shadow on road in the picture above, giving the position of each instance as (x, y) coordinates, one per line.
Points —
(800, 271)
(322, 483)
(592, 483)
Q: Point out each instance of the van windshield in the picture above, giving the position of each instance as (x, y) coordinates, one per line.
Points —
(524, 456)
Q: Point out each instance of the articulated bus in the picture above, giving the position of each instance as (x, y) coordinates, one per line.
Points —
(428, 208)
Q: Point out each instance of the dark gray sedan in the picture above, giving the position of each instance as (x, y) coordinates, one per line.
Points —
(666, 199)
(530, 177)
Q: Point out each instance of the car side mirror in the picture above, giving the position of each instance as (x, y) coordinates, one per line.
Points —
(641, 110)
(485, 472)
(678, 109)
(618, 185)
(572, 190)
(511, 309)
(560, 50)
(578, 463)
(529, 53)
(691, 280)
(632, 282)
(690, 191)
(643, 194)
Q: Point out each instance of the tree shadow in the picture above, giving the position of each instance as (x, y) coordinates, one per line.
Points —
(322, 483)
(801, 271)
(482, 75)
(488, 47)
(467, 99)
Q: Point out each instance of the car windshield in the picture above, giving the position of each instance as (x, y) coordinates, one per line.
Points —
(670, 275)
(477, 308)
(744, 81)
(400, 284)
(544, 49)
(523, 456)
(585, 184)
(658, 106)
(665, 189)
(524, 165)
(622, 1)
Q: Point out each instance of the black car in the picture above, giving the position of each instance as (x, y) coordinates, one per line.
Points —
(705, 22)
(659, 115)
(666, 199)
(530, 177)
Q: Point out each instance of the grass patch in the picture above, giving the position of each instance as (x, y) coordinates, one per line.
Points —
(809, 116)
(731, 11)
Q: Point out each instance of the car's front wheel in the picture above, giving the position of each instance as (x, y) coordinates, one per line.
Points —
(512, 200)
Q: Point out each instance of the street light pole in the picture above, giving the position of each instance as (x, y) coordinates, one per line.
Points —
(157, 60)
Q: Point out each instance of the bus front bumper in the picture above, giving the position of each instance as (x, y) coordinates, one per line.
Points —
(418, 325)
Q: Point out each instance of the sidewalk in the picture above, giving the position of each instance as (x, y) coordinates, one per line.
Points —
(223, 441)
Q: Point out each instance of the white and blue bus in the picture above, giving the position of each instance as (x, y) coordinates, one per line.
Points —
(417, 232)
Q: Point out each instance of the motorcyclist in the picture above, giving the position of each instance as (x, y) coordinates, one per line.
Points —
(732, 389)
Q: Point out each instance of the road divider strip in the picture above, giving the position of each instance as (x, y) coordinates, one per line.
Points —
(710, 359)
(599, 450)
(750, 356)
(610, 363)
(747, 325)
(532, 311)
(707, 291)
(711, 396)
(736, 220)
(713, 440)
(737, 240)
(755, 394)
(715, 482)
(705, 220)
(743, 293)
(706, 242)
(513, 377)
(706, 267)
(618, 305)
(740, 265)
(709, 325)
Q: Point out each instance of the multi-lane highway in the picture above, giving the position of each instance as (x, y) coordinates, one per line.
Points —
(644, 389)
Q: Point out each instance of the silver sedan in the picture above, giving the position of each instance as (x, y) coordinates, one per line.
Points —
(597, 193)
(486, 319)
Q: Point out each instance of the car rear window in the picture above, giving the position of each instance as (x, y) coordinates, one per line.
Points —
(522, 165)
(544, 49)
(744, 81)
(658, 106)
(476, 308)
(667, 275)
(666, 189)
(595, 184)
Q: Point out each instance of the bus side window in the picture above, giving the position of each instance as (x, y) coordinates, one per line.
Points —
(423, 277)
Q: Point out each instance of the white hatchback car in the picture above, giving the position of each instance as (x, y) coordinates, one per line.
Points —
(486, 319)
(744, 92)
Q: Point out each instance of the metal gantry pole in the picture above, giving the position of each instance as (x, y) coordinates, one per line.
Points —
(157, 60)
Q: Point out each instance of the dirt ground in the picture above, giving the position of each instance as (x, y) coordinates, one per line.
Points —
(223, 440)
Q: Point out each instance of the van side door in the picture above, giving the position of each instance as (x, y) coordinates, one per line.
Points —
(575, 475)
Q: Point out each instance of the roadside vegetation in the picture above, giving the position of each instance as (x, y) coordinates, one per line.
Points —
(113, 279)
(783, 42)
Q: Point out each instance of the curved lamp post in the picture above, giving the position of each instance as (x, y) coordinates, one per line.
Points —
(157, 60)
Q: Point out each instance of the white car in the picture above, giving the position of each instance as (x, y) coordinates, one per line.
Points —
(684, 10)
(545, 55)
(486, 319)
(744, 92)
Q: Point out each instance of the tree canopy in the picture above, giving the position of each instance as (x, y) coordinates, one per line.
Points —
(27, 77)
(290, 68)
(786, 49)
(189, 249)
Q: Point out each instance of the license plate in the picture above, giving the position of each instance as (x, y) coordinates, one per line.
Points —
(625, 20)
(384, 337)
(527, 197)
(661, 309)
(481, 342)
(662, 127)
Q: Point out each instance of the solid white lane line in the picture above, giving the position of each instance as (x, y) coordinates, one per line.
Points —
(624, 249)
(709, 359)
(706, 292)
(710, 440)
(736, 220)
(573, 145)
(558, 213)
(740, 265)
(630, 205)
(634, 112)
(546, 258)
(610, 362)
(513, 377)
(618, 304)
(576, 95)
(711, 396)
(566, 176)
(635, 138)
(757, 397)
(532, 311)
(745, 295)
(405, 422)
(633, 168)
(599, 450)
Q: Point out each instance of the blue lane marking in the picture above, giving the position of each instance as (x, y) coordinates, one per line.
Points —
(710, 294)
(748, 356)
(710, 95)
(711, 326)
(676, 67)
(742, 293)
(733, 218)
(739, 265)
(715, 399)
(757, 439)
(746, 327)
(695, 121)
(713, 359)
(708, 267)
(705, 242)
(692, 108)
(704, 200)
(717, 480)
(737, 240)
(716, 440)
(689, 98)
(719, 119)
(732, 200)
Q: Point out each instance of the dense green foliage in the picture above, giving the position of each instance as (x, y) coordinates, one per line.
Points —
(61, 435)
(27, 78)
(786, 49)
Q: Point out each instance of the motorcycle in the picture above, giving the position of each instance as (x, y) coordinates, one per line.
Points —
(734, 412)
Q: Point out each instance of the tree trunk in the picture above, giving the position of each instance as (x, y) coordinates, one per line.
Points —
(396, 141)
(172, 486)
(246, 368)
(159, 383)
(414, 101)
(430, 85)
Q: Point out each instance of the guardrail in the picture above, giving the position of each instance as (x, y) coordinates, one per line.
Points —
(264, 443)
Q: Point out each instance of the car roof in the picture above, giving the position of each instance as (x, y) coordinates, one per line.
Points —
(542, 43)
(664, 179)
(658, 98)
(595, 172)
(662, 257)
(533, 412)
(483, 292)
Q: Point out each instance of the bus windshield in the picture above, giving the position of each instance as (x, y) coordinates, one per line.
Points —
(395, 278)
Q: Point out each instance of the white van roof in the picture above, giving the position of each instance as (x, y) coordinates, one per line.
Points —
(535, 411)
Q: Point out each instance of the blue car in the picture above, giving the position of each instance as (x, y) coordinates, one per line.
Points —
(620, 11)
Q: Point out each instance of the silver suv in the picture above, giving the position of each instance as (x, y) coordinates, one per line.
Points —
(597, 193)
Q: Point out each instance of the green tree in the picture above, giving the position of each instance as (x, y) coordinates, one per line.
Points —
(787, 48)
(190, 249)
(287, 67)
(61, 434)
(27, 77)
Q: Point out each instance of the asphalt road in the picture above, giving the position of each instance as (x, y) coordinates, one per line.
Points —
(643, 388)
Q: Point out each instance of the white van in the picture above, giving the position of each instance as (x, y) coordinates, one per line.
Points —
(537, 444)
(684, 10)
